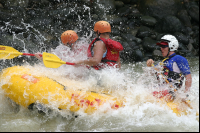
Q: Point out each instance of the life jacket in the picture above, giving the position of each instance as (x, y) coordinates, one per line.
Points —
(176, 78)
(113, 49)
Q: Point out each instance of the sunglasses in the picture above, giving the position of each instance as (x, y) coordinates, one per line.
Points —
(163, 46)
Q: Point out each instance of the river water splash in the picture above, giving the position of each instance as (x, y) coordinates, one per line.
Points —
(141, 111)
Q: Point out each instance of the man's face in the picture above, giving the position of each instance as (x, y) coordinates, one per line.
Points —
(164, 51)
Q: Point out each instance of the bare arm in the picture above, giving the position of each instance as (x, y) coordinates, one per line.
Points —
(188, 82)
(99, 49)
(119, 63)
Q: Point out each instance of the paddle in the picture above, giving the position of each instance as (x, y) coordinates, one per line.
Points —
(7, 52)
(183, 100)
(52, 61)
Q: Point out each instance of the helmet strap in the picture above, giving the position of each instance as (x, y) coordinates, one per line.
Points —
(98, 33)
(168, 52)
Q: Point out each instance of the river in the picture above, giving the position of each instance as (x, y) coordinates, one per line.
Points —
(139, 114)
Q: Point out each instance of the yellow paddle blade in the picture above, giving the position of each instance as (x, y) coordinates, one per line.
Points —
(7, 52)
(52, 61)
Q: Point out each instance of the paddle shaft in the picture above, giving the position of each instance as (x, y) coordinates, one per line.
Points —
(30, 54)
(68, 63)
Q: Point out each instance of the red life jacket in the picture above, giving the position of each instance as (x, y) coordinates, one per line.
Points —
(113, 49)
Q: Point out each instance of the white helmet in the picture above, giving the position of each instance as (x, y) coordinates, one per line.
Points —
(172, 42)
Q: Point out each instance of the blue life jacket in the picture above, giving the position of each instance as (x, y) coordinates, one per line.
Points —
(176, 67)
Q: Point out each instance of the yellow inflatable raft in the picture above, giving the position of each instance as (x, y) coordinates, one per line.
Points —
(25, 89)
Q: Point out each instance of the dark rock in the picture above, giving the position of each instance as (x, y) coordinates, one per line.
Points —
(159, 8)
(148, 20)
(185, 19)
(15, 3)
(184, 53)
(137, 56)
(133, 1)
(5, 17)
(124, 11)
(134, 13)
(192, 49)
(182, 47)
(126, 46)
(38, 3)
(143, 32)
(114, 19)
(194, 12)
(126, 1)
(104, 6)
(169, 24)
(149, 44)
(133, 45)
(119, 4)
(115, 30)
(182, 38)
(128, 37)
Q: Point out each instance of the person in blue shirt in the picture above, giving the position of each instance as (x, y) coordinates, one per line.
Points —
(175, 67)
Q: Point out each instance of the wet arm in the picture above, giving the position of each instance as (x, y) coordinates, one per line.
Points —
(188, 82)
(98, 49)
(119, 63)
(185, 69)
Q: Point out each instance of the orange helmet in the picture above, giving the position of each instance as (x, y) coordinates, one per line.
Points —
(102, 27)
(69, 36)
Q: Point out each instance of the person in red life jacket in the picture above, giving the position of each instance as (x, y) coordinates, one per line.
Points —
(175, 67)
(102, 51)
(69, 39)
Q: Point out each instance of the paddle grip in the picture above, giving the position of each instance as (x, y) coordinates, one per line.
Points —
(30, 54)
